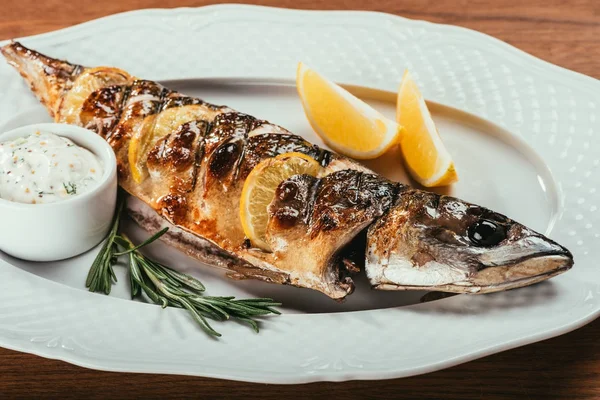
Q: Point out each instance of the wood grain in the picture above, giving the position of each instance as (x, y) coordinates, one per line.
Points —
(564, 33)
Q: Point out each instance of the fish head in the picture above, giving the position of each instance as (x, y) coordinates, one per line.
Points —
(443, 243)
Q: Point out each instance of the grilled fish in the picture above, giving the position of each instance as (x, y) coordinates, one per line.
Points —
(191, 159)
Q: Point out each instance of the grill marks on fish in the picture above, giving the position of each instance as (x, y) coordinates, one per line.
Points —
(226, 145)
(335, 202)
(175, 160)
(175, 99)
(178, 156)
(267, 145)
(349, 197)
(139, 112)
(293, 202)
(101, 111)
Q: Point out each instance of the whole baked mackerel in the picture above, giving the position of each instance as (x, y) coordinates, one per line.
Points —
(189, 165)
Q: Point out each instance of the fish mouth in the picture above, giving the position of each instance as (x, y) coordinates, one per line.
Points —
(519, 273)
(524, 272)
(527, 261)
(529, 248)
(562, 256)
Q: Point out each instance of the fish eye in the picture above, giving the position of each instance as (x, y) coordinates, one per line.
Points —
(486, 233)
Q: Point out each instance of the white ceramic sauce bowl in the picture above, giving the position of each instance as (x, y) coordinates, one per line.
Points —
(55, 231)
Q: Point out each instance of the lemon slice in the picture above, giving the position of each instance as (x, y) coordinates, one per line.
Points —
(259, 191)
(424, 153)
(88, 82)
(155, 128)
(345, 123)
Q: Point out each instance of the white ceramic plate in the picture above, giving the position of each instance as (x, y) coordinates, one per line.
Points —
(537, 164)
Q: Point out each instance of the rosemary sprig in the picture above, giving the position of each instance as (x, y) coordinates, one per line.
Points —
(102, 276)
(167, 287)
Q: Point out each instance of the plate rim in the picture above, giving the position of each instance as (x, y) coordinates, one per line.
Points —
(225, 6)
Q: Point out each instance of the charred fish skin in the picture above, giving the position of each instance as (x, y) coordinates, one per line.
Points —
(193, 157)
(433, 242)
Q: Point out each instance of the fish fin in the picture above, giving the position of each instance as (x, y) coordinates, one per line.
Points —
(49, 78)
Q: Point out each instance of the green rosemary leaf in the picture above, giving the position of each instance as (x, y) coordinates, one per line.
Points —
(200, 319)
(250, 322)
(134, 277)
(144, 243)
(207, 311)
(215, 309)
(95, 265)
(153, 295)
(101, 275)
(185, 280)
(274, 311)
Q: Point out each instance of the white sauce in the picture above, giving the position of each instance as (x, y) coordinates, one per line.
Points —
(45, 168)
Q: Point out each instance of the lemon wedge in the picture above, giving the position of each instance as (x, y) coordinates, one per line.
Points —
(345, 123)
(85, 84)
(259, 191)
(425, 155)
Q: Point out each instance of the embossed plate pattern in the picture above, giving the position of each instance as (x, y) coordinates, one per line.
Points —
(552, 109)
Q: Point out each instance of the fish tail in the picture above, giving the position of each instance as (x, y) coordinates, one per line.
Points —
(49, 78)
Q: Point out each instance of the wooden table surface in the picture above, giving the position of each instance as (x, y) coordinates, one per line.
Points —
(564, 33)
